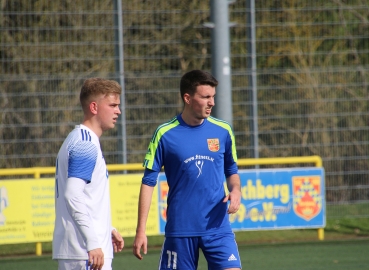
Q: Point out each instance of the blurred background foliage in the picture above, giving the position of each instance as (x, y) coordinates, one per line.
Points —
(312, 77)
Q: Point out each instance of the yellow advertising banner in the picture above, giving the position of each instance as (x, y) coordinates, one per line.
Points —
(124, 193)
(27, 208)
(26, 211)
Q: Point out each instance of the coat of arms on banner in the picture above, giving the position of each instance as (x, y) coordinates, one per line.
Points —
(164, 188)
(307, 197)
(213, 145)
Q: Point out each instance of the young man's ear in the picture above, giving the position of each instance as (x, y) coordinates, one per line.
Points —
(93, 107)
(187, 98)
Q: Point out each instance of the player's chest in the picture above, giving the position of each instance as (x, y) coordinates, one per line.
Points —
(193, 146)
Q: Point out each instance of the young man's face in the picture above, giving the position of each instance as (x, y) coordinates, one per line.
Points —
(108, 110)
(202, 101)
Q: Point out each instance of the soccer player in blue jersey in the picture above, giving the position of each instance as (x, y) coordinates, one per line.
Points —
(83, 235)
(198, 153)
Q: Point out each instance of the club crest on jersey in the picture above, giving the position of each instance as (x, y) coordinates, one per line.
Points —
(213, 145)
(307, 198)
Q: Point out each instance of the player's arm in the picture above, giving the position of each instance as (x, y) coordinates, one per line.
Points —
(234, 196)
(83, 154)
(147, 188)
(140, 241)
(74, 193)
(117, 240)
(232, 177)
(76, 206)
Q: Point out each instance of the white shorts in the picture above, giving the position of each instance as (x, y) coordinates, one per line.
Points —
(81, 265)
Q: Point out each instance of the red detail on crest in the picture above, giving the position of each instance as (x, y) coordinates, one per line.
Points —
(213, 145)
(164, 189)
(307, 198)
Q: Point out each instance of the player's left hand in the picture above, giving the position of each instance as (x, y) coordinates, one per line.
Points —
(234, 197)
(118, 242)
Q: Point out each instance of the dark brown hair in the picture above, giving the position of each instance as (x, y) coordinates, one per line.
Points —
(194, 78)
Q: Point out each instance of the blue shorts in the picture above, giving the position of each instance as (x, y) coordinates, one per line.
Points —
(182, 253)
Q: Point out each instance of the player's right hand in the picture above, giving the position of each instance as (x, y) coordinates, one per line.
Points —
(140, 242)
(95, 259)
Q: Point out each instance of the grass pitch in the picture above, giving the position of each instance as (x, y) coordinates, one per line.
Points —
(346, 247)
(317, 255)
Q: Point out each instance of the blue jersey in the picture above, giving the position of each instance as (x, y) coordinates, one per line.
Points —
(196, 160)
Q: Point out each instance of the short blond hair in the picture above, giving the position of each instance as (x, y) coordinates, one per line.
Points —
(93, 87)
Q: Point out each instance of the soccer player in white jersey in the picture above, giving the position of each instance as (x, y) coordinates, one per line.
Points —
(198, 153)
(83, 235)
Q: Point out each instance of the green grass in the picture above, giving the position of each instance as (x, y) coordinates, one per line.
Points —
(317, 255)
(345, 247)
(348, 210)
(336, 229)
(296, 256)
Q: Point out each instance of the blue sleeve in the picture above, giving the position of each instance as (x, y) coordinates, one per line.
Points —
(150, 177)
(82, 160)
(230, 165)
(154, 156)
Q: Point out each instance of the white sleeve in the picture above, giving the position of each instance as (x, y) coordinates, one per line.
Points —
(76, 205)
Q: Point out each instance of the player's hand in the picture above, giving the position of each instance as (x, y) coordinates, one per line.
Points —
(234, 197)
(117, 240)
(140, 242)
(95, 259)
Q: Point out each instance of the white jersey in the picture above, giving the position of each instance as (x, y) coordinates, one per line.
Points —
(80, 157)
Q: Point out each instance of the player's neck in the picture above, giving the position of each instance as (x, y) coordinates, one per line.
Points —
(95, 127)
(190, 120)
